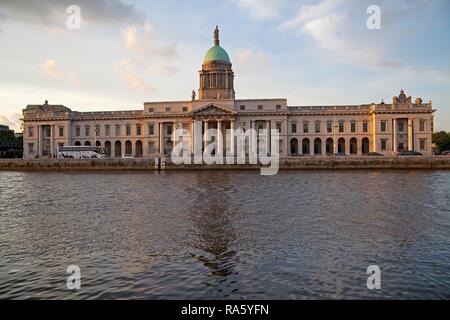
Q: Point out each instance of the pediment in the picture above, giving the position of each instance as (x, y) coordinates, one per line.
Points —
(213, 110)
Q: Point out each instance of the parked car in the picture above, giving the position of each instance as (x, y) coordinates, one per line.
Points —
(445, 153)
(374, 154)
(410, 153)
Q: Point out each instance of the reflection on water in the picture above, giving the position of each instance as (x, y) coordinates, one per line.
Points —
(225, 235)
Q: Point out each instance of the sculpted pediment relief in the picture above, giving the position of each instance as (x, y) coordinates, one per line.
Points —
(212, 111)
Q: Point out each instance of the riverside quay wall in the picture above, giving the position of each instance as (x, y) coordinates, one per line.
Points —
(291, 163)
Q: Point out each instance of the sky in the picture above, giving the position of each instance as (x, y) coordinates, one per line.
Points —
(312, 52)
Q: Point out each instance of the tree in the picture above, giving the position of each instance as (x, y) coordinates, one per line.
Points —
(442, 140)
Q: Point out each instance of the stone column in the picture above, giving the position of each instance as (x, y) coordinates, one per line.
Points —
(394, 136)
(219, 138)
(324, 147)
(253, 143)
(268, 127)
(191, 138)
(410, 135)
(161, 139)
(52, 134)
(39, 142)
(205, 135)
(232, 127)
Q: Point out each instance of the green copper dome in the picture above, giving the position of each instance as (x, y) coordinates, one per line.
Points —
(216, 53)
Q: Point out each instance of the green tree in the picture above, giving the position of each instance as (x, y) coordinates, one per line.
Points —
(442, 140)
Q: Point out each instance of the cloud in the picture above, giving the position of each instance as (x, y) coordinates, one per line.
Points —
(145, 54)
(248, 60)
(144, 43)
(12, 120)
(125, 71)
(52, 13)
(50, 68)
(329, 24)
(260, 9)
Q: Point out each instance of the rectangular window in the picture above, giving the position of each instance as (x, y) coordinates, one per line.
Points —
(61, 131)
(383, 126)
(353, 127)
(329, 127)
(151, 110)
(128, 131)
(305, 127)
(317, 127)
(167, 109)
(97, 130)
(185, 109)
(151, 147)
(138, 130)
(107, 130)
(77, 131)
(401, 126)
(422, 125)
(365, 127)
(423, 144)
(260, 107)
(278, 107)
(294, 128)
(242, 107)
(278, 126)
(30, 132)
(151, 129)
(169, 129)
(341, 127)
(31, 147)
(87, 131)
(383, 144)
(117, 131)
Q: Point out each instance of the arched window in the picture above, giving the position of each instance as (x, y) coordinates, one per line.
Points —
(365, 146)
(118, 149)
(78, 143)
(139, 148)
(98, 144)
(353, 146)
(294, 147)
(329, 146)
(108, 148)
(87, 143)
(128, 148)
(341, 145)
(318, 146)
(305, 146)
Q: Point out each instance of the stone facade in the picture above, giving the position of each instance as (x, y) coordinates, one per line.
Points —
(304, 130)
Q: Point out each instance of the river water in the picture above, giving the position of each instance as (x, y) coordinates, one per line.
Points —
(225, 235)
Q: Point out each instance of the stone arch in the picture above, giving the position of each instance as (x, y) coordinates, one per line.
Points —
(138, 148)
(306, 146)
(341, 145)
(365, 146)
(128, 148)
(353, 146)
(118, 149)
(108, 148)
(294, 147)
(318, 146)
(329, 146)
